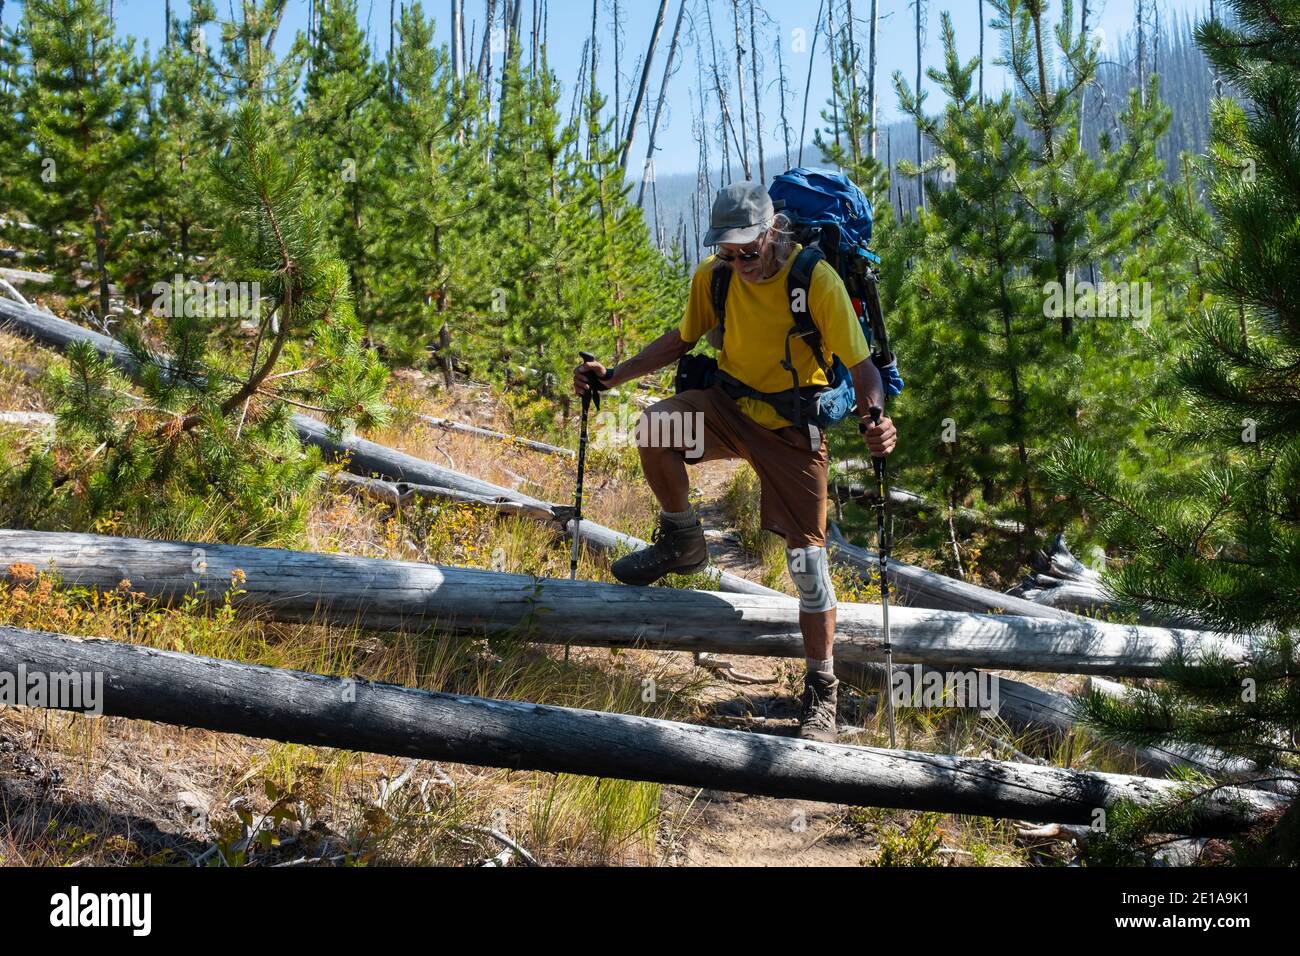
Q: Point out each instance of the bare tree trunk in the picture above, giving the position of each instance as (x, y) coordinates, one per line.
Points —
(1218, 81)
(835, 71)
(758, 101)
(392, 42)
(702, 166)
(854, 113)
(871, 68)
(1155, 37)
(1083, 90)
(982, 52)
(740, 91)
(920, 155)
(376, 594)
(645, 81)
(782, 89)
(592, 119)
(457, 40)
(717, 85)
(485, 53)
(488, 32)
(359, 715)
(1142, 53)
(535, 39)
(659, 105)
(516, 17)
(812, 54)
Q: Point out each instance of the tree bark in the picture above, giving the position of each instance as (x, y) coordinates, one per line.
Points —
(659, 105)
(920, 154)
(807, 87)
(740, 91)
(144, 683)
(458, 40)
(921, 588)
(379, 594)
(645, 81)
(871, 68)
(758, 115)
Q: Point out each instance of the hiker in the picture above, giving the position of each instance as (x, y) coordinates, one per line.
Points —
(756, 244)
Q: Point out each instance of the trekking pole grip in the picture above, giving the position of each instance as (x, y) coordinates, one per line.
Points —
(875, 411)
(595, 381)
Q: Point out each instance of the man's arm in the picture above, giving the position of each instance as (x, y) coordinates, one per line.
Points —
(665, 350)
(870, 389)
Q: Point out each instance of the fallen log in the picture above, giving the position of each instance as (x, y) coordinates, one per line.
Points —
(1061, 580)
(401, 494)
(364, 457)
(292, 706)
(865, 494)
(28, 419)
(1200, 755)
(379, 594)
(1029, 708)
(921, 588)
(446, 424)
(360, 456)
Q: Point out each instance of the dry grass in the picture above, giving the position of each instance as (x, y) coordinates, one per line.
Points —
(114, 791)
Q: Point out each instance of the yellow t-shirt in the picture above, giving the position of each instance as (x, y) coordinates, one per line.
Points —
(758, 318)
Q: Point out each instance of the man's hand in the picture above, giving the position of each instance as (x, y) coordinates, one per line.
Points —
(583, 374)
(881, 438)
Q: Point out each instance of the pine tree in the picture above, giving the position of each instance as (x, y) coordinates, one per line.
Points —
(78, 111)
(971, 308)
(209, 446)
(186, 114)
(431, 230)
(1085, 210)
(1221, 550)
(340, 122)
(13, 143)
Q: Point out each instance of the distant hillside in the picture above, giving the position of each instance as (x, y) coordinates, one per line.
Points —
(1186, 86)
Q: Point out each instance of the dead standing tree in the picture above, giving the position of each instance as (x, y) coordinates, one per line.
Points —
(758, 116)
(807, 87)
(641, 87)
(659, 105)
(740, 91)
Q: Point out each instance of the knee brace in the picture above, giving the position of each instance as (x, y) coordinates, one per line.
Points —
(810, 571)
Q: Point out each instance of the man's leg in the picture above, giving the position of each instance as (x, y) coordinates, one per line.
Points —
(687, 424)
(809, 569)
(818, 629)
(665, 473)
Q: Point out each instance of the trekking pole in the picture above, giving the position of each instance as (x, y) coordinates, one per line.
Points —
(883, 535)
(587, 398)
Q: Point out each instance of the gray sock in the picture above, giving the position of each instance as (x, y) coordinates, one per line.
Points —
(679, 518)
(826, 667)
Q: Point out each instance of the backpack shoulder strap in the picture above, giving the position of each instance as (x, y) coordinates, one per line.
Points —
(799, 286)
(719, 284)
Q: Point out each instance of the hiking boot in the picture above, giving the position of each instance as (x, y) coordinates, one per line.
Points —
(820, 698)
(676, 549)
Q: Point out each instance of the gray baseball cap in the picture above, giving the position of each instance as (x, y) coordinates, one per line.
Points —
(741, 213)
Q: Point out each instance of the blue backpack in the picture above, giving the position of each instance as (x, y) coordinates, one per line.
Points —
(832, 220)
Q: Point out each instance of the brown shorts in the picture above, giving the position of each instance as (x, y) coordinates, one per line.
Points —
(790, 462)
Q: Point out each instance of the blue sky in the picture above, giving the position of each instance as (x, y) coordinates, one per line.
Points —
(570, 23)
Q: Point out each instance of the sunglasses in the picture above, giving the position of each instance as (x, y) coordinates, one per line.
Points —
(742, 256)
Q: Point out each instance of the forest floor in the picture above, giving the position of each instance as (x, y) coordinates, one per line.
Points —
(75, 790)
